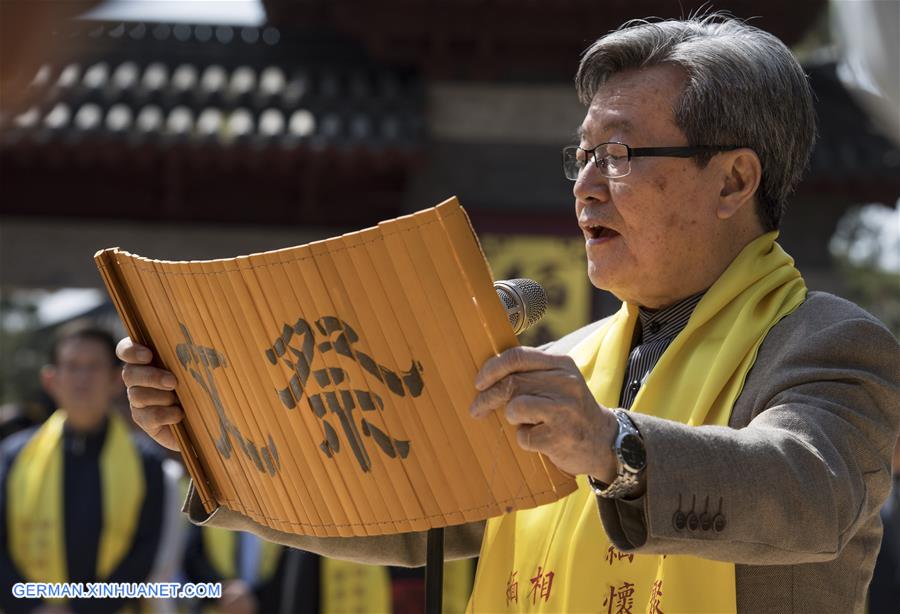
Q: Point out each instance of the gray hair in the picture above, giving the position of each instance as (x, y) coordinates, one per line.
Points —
(743, 87)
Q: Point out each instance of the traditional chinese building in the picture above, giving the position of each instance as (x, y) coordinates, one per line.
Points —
(188, 138)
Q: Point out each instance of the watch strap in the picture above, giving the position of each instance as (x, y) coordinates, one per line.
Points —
(626, 482)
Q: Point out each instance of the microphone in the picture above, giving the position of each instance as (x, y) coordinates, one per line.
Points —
(524, 300)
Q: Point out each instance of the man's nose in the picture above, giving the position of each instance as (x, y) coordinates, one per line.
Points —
(591, 184)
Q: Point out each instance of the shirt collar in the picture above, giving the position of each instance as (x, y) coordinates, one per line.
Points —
(81, 442)
(667, 322)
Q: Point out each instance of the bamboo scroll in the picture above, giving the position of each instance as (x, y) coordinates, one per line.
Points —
(326, 387)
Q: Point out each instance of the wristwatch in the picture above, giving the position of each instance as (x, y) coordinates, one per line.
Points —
(631, 458)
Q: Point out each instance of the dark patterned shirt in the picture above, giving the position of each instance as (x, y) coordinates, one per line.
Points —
(656, 330)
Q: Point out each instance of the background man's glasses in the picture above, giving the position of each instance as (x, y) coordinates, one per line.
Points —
(614, 159)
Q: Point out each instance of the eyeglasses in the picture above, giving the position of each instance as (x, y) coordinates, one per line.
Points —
(614, 159)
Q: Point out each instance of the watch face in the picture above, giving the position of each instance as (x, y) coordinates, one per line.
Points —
(633, 453)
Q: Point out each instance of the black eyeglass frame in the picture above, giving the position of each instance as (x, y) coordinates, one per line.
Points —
(648, 152)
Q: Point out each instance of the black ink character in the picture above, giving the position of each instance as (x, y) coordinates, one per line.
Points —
(296, 347)
(208, 359)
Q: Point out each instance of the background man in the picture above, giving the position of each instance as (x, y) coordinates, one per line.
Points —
(260, 576)
(81, 497)
(749, 470)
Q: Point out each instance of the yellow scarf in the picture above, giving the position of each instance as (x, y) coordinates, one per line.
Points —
(557, 558)
(35, 522)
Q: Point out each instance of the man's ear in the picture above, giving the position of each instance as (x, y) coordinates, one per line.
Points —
(48, 379)
(742, 172)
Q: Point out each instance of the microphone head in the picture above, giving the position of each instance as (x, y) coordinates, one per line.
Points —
(525, 302)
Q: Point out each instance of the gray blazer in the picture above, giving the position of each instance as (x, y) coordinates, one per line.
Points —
(789, 491)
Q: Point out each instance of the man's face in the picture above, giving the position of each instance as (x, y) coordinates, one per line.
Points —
(83, 381)
(660, 220)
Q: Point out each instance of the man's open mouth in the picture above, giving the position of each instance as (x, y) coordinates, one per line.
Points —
(601, 232)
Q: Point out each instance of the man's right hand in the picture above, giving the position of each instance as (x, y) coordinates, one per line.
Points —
(154, 406)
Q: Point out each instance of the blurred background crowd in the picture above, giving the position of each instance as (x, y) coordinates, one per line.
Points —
(195, 129)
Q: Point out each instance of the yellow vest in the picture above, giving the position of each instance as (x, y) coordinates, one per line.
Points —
(557, 558)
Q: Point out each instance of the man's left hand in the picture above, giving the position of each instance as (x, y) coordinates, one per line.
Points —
(546, 396)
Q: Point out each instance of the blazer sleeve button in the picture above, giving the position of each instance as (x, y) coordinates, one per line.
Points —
(705, 521)
(718, 523)
(692, 521)
(679, 520)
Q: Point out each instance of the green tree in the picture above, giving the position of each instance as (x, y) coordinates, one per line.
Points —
(866, 250)
(22, 351)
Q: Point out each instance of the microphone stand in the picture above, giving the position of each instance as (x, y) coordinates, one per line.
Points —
(524, 301)
(434, 571)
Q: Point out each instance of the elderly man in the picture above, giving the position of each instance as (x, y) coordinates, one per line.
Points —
(748, 473)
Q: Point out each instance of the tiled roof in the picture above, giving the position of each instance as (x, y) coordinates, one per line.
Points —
(849, 145)
(216, 84)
